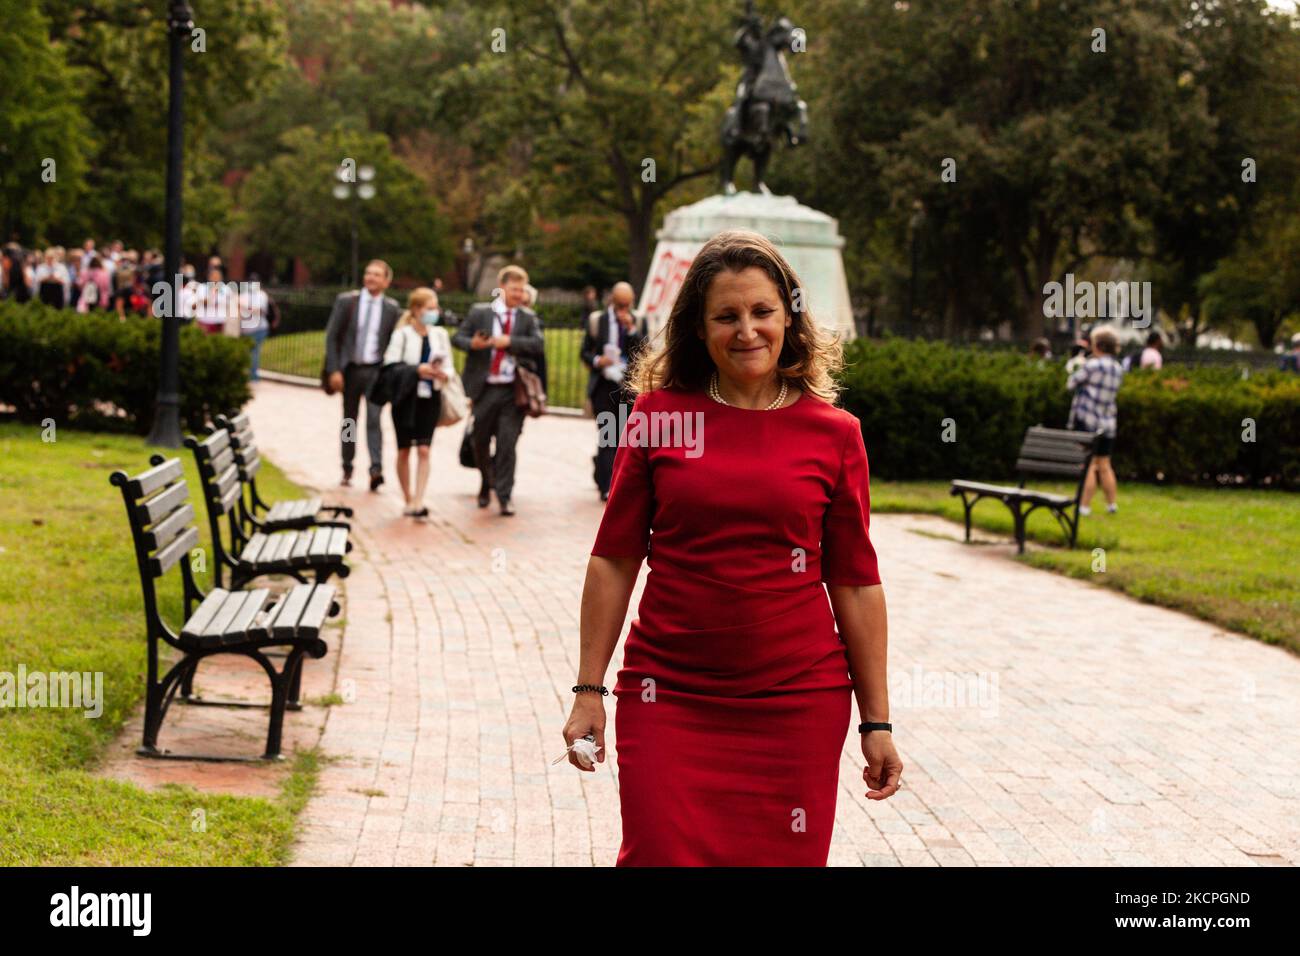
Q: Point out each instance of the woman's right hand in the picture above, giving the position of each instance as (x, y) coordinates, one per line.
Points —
(587, 717)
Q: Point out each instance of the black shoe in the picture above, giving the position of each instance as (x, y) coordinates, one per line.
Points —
(507, 508)
(604, 496)
(376, 480)
(421, 513)
(347, 478)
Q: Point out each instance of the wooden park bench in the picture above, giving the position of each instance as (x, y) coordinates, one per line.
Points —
(1058, 452)
(254, 513)
(252, 554)
(218, 622)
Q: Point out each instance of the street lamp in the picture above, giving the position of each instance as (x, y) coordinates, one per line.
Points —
(166, 431)
(365, 189)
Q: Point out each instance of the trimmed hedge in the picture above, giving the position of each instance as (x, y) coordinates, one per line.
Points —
(56, 363)
(1180, 424)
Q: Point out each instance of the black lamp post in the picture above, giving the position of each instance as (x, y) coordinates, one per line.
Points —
(166, 420)
(350, 191)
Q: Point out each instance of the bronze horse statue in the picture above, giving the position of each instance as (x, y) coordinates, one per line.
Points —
(766, 104)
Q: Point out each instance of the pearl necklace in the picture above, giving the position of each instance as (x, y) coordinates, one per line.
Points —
(717, 396)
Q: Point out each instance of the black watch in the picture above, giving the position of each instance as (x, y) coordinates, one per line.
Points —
(868, 726)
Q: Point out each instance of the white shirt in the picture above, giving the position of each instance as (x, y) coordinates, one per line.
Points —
(253, 307)
(507, 373)
(615, 371)
(370, 314)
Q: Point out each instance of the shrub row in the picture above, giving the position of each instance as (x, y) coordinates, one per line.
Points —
(1181, 424)
(80, 369)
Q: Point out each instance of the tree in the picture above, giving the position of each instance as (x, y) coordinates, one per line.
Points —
(288, 206)
(120, 47)
(44, 137)
(618, 104)
(1260, 281)
(1062, 144)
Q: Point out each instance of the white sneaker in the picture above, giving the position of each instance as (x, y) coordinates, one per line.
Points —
(1084, 510)
(1111, 509)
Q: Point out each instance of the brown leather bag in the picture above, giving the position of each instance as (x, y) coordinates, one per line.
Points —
(528, 392)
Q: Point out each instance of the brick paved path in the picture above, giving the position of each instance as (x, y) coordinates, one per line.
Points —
(1041, 720)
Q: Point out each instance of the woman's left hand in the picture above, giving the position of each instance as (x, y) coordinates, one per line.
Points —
(882, 765)
(439, 373)
(425, 370)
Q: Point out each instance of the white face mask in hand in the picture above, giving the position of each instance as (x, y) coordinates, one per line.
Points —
(584, 747)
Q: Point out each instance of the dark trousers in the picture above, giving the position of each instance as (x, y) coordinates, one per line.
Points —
(357, 381)
(495, 414)
(607, 397)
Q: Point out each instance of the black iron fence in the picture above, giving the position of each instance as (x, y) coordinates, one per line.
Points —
(297, 346)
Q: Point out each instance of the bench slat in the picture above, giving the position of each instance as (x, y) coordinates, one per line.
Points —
(161, 505)
(226, 479)
(163, 561)
(215, 443)
(220, 622)
(222, 461)
(1040, 467)
(229, 499)
(248, 611)
(204, 613)
(253, 550)
(149, 481)
(289, 611)
(318, 608)
(240, 422)
(165, 531)
(339, 542)
(320, 544)
(284, 544)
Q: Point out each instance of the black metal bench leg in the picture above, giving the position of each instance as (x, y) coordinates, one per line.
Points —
(295, 686)
(1020, 528)
(280, 684)
(968, 505)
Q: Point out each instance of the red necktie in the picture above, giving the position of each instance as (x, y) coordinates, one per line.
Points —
(499, 354)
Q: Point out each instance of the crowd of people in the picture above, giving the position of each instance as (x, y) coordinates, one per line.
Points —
(117, 279)
(378, 352)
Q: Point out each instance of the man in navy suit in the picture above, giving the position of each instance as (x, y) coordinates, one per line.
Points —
(498, 336)
(613, 335)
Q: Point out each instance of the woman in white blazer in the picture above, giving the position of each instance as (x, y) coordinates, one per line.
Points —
(419, 342)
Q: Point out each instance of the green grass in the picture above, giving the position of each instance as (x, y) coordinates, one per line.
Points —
(70, 601)
(300, 353)
(1224, 555)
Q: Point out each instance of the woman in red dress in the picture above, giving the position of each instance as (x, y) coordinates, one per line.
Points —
(747, 490)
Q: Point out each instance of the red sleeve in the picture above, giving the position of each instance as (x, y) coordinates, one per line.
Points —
(847, 553)
(625, 527)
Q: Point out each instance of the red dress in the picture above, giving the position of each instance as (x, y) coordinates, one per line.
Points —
(734, 699)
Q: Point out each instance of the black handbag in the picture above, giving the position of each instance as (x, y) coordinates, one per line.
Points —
(467, 446)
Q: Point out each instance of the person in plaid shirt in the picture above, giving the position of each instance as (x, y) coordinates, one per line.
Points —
(1095, 385)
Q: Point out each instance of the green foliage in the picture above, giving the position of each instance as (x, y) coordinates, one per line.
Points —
(97, 371)
(121, 48)
(1180, 424)
(288, 204)
(40, 119)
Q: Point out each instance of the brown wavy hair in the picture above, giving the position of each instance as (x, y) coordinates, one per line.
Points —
(809, 358)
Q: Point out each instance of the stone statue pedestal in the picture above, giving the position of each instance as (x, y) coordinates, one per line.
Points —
(809, 240)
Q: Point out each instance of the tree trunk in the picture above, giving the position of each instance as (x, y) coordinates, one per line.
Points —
(639, 247)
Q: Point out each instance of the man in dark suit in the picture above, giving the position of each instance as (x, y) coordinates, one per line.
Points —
(612, 336)
(360, 326)
(498, 336)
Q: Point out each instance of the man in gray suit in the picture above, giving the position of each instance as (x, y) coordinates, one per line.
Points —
(498, 336)
(360, 326)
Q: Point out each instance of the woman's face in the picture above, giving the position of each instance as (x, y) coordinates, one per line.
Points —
(744, 324)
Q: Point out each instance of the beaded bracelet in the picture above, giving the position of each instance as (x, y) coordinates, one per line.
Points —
(595, 687)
